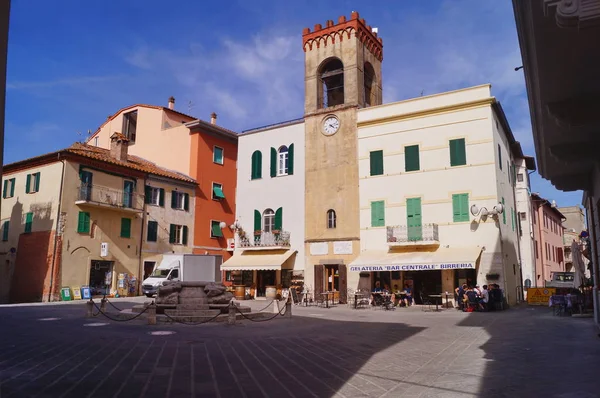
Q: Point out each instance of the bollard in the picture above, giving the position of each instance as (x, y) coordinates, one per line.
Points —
(103, 304)
(276, 308)
(152, 314)
(90, 309)
(288, 309)
(231, 315)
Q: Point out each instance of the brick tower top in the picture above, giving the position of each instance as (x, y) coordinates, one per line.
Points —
(355, 25)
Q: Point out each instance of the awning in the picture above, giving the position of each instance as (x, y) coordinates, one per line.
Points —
(442, 258)
(259, 260)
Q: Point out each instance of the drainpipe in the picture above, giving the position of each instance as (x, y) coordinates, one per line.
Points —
(60, 192)
(141, 262)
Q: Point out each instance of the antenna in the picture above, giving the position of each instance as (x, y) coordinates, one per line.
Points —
(190, 106)
(422, 91)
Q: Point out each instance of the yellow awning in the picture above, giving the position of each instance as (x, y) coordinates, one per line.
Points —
(442, 258)
(259, 260)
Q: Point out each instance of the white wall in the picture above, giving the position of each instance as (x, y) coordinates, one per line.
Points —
(273, 192)
(527, 242)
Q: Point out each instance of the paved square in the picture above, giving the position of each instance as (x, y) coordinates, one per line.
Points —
(337, 352)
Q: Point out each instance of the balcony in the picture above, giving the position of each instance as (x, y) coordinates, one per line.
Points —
(404, 235)
(109, 198)
(266, 240)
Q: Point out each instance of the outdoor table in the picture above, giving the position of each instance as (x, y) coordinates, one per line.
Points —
(357, 295)
(326, 294)
(447, 293)
(436, 302)
(306, 298)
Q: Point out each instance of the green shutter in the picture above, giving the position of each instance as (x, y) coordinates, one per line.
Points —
(28, 222)
(147, 193)
(514, 174)
(456, 208)
(378, 214)
(218, 155)
(161, 197)
(411, 158)
(512, 218)
(413, 219)
(173, 199)
(83, 222)
(152, 231)
(279, 218)
(27, 189)
(460, 207)
(186, 201)
(5, 190)
(273, 162)
(125, 227)
(504, 212)
(185, 235)
(376, 159)
(172, 233)
(218, 192)
(256, 165)
(458, 152)
(499, 157)
(12, 187)
(38, 177)
(216, 229)
(5, 228)
(257, 220)
(291, 159)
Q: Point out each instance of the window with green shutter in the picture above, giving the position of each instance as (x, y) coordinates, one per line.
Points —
(9, 188)
(32, 184)
(512, 218)
(28, 222)
(499, 157)
(172, 232)
(414, 219)
(504, 212)
(458, 154)
(184, 238)
(125, 227)
(378, 214)
(152, 231)
(217, 191)
(273, 162)
(376, 158)
(290, 160)
(279, 219)
(83, 223)
(215, 229)
(5, 228)
(411, 158)
(257, 221)
(460, 207)
(218, 155)
(256, 165)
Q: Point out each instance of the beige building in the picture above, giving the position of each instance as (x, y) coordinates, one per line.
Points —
(76, 217)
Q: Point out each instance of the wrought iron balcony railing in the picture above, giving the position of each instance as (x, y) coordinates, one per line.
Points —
(421, 234)
(109, 197)
(262, 239)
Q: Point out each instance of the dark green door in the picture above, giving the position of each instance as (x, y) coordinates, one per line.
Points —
(128, 194)
(413, 213)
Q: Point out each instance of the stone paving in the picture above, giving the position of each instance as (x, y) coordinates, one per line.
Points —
(53, 351)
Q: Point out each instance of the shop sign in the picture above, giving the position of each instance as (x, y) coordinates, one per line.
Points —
(539, 295)
(412, 267)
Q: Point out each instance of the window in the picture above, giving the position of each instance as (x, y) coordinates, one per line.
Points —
(376, 159)
(33, 183)
(512, 218)
(537, 254)
(499, 157)
(411, 158)
(9, 188)
(5, 228)
(282, 161)
(178, 234)
(155, 196)
(504, 212)
(96, 141)
(269, 220)
(217, 191)
(460, 207)
(458, 156)
(217, 155)
(180, 200)
(330, 88)
(28, 222)
(331, 219)
(83, 223)
(152, 231)
(378, 214)
(520, 177)
(125, 227)
(256, 165)
(369, 83)
(215, 229)
(130, 125)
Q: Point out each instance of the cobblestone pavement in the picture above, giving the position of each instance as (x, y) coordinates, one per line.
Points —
(53, 351)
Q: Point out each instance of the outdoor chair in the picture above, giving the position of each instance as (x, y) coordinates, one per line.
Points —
(427, 304)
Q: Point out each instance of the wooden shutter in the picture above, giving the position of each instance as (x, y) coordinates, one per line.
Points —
(185, 235)
(257, 220)
(378, 214)
(273, 162)
(186, 201)
(456, 208)
(161, 197)
(147, 193)
(27, 185)
(499, 157)
(291, 159)
(125, 227)
(83, 222)
(411, 158)
(5, 190)
(376, 160)
(12, 187)
(5, 230)
(279, 219)
(173, 199)
(28, 222)
(38, 177)
(172, 233)
(504, 212)
(152, 231)
(319, 268)
(343, 283)
(457, 152)
(256, 165)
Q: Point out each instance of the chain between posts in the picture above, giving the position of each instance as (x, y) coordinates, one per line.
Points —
(279, 313)
(116, 319)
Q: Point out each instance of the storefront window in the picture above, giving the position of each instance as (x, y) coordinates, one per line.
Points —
(247, 278)
(286, 278)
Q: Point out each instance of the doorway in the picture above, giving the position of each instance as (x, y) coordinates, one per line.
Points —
(264, 278)
(148, 269)
(424, 283)
(101, 277)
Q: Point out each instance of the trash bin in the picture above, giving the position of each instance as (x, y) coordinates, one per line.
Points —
(65, 294)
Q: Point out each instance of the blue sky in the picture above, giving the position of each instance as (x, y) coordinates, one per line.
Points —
(72, 63)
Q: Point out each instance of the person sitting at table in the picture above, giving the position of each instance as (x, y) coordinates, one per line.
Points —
(396, 293)
(376, 289)
(408, 297)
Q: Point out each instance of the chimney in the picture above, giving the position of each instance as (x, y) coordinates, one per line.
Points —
(213, 118)
(118, 147)
(171, 102)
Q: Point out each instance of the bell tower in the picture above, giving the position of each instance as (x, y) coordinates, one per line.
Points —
(342, 69)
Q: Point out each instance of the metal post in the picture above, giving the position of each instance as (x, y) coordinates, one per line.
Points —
(152, 314)
(288, 308)
(90, 309)
(103, 304)
(231, 315)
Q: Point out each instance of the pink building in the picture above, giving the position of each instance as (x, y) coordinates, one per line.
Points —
(548, 236)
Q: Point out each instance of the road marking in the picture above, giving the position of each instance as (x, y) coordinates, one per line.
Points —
(48, 319)
(96, 324)
(161, 333)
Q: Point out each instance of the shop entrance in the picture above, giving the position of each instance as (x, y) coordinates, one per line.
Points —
(263, 279)
(100, 274)
(465, 277)
(424, 283)
(148, 268)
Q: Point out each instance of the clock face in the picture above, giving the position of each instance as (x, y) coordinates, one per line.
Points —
(331, 125)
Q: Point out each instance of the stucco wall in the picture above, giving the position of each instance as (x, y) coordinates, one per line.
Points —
(527, 239)
(554, 238)
(269, 192)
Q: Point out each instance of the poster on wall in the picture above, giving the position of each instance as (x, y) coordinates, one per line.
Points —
(319, 249)
(342, 247)
(104, 249)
